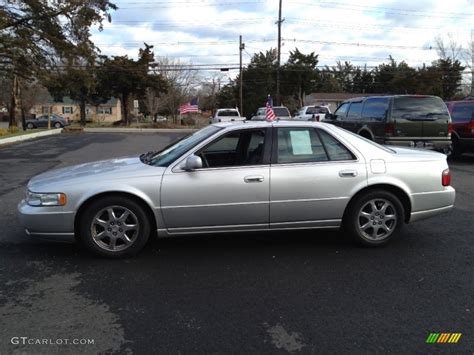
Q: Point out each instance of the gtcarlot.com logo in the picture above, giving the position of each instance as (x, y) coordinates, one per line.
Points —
(441, 338)
(49, 341)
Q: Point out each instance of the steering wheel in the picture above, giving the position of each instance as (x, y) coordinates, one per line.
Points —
(204, 159)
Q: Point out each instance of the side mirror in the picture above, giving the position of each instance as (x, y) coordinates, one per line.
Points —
(329, 116)
(193, 162)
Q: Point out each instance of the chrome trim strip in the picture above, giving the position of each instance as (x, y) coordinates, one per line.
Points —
(223, 226)
(306, 222)
(216, 205)
(310, 199)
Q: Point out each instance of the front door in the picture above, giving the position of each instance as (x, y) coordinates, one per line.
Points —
(313, 176)
(230, 192)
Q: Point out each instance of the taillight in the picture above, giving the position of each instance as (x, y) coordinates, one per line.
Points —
(471, 127)
(446, 177)
(450, 128)
(389, 129)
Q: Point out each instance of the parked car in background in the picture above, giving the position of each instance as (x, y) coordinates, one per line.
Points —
(226, 115)
(281, 113)
(462, 114)
(312, 113)
(42, 121)
(407, 120)
(230, 177)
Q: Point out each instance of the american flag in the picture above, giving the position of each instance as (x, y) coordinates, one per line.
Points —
(191, 106)
(269, 114)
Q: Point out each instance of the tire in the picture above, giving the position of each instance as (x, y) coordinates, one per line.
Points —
(30, 125)
(57, 125)
(457, 151)
(103, 227)
(373, 219)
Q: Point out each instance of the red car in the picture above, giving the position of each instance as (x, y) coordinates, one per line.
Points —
(462, 115)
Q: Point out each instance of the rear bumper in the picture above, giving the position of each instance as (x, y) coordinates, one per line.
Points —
(429, 204)
(47, 222)
(420, 142)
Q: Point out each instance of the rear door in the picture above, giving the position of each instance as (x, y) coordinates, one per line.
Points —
(462, 114)
(374, 115)
(312, 178)
(419, 118)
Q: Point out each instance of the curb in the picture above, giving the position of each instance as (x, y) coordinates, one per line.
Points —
(25, 137)
(139, 130)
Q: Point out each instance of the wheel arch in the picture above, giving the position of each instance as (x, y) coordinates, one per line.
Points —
(366, 132)
(87, 202)
(401, 194)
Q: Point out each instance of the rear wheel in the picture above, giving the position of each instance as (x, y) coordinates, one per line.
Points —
(114, 227)
(457, 149)
(373, 219)
(57, 125)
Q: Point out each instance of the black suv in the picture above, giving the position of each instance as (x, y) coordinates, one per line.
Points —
(407, 120)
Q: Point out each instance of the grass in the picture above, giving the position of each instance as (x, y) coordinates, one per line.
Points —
(7, 133)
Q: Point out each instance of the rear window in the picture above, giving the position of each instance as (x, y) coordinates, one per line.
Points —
(230, 113)
(316, 109)
(463, 112)
(419, 108)
(281, 111)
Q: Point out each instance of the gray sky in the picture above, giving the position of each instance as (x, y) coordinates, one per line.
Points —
(207, 31)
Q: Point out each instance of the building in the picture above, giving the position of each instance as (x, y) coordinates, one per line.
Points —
(331, 99)
(110, 111)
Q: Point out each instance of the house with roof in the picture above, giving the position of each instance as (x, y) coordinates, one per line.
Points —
(110, 111)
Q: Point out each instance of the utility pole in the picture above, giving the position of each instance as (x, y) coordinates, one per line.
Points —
(241, 48)
(472, 60)
(279, 56)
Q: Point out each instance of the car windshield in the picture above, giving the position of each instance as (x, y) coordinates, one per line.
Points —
(228, 113)
(170, 153)
(281, 111)
(419, 108)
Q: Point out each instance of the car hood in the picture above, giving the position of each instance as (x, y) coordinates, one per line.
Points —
(114, 169)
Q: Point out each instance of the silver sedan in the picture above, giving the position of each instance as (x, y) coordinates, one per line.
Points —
(252, 176)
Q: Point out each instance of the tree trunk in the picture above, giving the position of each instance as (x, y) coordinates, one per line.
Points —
(82, 108)
(13, 101)
(125, 97)
(23, 119)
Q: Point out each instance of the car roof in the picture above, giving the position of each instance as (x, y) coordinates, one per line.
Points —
(277, 123)
(361, 98)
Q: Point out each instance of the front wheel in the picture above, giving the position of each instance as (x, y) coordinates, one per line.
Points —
(373, 219)
(57, 125)
(114, 227)
(30, 125)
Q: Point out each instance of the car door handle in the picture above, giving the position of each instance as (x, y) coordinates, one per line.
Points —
(348, 173)
(254, 178)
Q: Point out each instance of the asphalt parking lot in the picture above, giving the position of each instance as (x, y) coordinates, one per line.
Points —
(286, 292)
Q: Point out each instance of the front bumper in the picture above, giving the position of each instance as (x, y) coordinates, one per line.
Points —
(52, 223)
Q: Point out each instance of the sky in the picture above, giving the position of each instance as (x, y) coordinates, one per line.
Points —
(206, 32)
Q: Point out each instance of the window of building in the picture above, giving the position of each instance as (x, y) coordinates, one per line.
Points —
(104, 110)
(67, 109)
(46, 110)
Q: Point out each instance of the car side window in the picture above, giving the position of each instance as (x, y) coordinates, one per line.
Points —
(299, 145)
(341, 112)
(354, 111)
(375, 108)
(463, 112)
(335, 149)
(237, 148)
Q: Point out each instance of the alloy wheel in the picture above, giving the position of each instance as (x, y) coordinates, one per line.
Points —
(115, 228)
(377, 219)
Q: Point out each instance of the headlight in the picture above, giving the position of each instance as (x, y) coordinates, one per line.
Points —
(45, 199)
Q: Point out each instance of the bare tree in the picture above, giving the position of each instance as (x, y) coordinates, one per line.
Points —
(182, 83)
(31, 93)
(451, 49)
